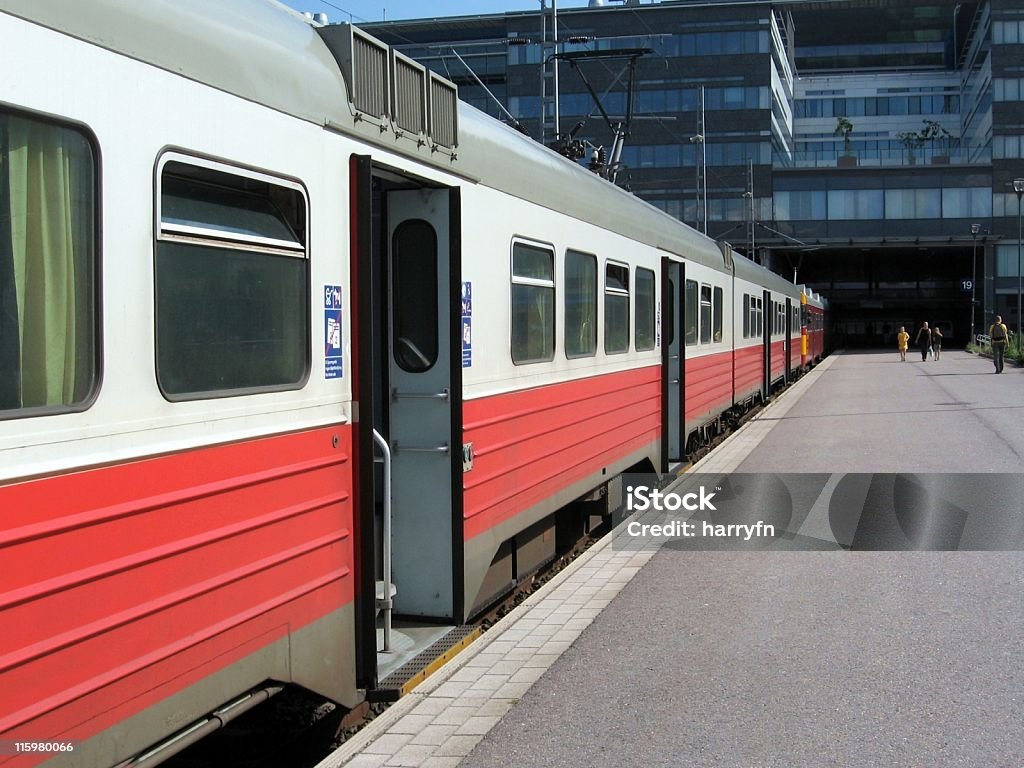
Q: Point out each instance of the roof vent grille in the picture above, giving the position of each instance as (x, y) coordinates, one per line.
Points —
(394, 92)
(444, 113)
(409, 95)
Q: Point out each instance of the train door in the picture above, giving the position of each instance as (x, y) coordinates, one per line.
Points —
(673, 362)
(419, 401)
(407, 392)
(768, 315)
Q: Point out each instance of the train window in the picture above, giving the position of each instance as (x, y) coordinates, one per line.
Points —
(616, 308)
(414, 289)
(759, 315)
(533, 303)
(705, 314)
(48, 267)
(717, 311)
(580, 304)
(746, 315)
(644, 309)
(231, 281)
(690, 309)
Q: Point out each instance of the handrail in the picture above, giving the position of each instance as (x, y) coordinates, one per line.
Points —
(385, 603)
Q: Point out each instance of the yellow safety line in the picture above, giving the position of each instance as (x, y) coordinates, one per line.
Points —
(439, 662)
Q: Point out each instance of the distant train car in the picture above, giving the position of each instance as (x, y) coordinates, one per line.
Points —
(814, 311)
(293, 345)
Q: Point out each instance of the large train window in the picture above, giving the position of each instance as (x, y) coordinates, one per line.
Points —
(232, 281)
(746, 315)
(533, 303)
(644, 309)
(616, 308)
(48, 267)
(414, 290)
(705, 313)
(717, 311)
(580, 304)
(690, 310)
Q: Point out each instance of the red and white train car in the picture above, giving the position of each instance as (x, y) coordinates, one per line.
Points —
(290, 338)
(814, 313)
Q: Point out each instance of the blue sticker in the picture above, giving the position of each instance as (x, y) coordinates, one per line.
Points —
(467, 325)
(332, 332)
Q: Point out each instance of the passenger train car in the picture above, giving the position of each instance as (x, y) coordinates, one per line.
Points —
(292, 342)
(814, 322)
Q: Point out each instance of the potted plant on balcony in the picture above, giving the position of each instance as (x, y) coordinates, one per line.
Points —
(913, 141)
(935, 132)
(844, 128)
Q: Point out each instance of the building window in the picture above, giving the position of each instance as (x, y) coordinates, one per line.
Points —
(849, 204)
(913, 204)
(533, 303)
(810, 205)
(48, 267)
(232, 282)
(580, 304)
(616, 308)
(644, 309)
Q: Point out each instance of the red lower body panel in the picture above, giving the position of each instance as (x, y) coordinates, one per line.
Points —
(749, 367)
(708, 386)
(778, 359)
(125, 584)
(528, 445)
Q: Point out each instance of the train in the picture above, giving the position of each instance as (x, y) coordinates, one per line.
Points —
(295, 347)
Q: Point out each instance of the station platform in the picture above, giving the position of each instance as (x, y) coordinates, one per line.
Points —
(811, 648)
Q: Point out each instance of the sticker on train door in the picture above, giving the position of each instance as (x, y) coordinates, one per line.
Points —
(467, 325)
(332, 332)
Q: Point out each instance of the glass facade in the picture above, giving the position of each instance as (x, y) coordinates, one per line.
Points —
(744, 100)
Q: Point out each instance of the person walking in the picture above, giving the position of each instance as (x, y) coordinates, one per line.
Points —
(924, 340)
(902, 341)
(937, 341)
(1000, 336)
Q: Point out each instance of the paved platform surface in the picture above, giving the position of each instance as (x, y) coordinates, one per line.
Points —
(813, 656)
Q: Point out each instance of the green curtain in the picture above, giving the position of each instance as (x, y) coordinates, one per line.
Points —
(10, 337)
(41, 163)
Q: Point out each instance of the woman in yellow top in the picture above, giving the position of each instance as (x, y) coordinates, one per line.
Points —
(902, 340)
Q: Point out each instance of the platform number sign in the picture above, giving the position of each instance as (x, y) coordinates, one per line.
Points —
(332, 332)
(966, 284)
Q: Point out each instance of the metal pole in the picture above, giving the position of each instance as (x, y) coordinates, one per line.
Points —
(974, 274)
(1018, 187)
(704, 157)
(543, 74)
(385, 601)
(554, 38)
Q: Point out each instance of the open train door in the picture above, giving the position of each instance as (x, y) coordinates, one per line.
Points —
(407, 387)
(673, 363)
(422, 401)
